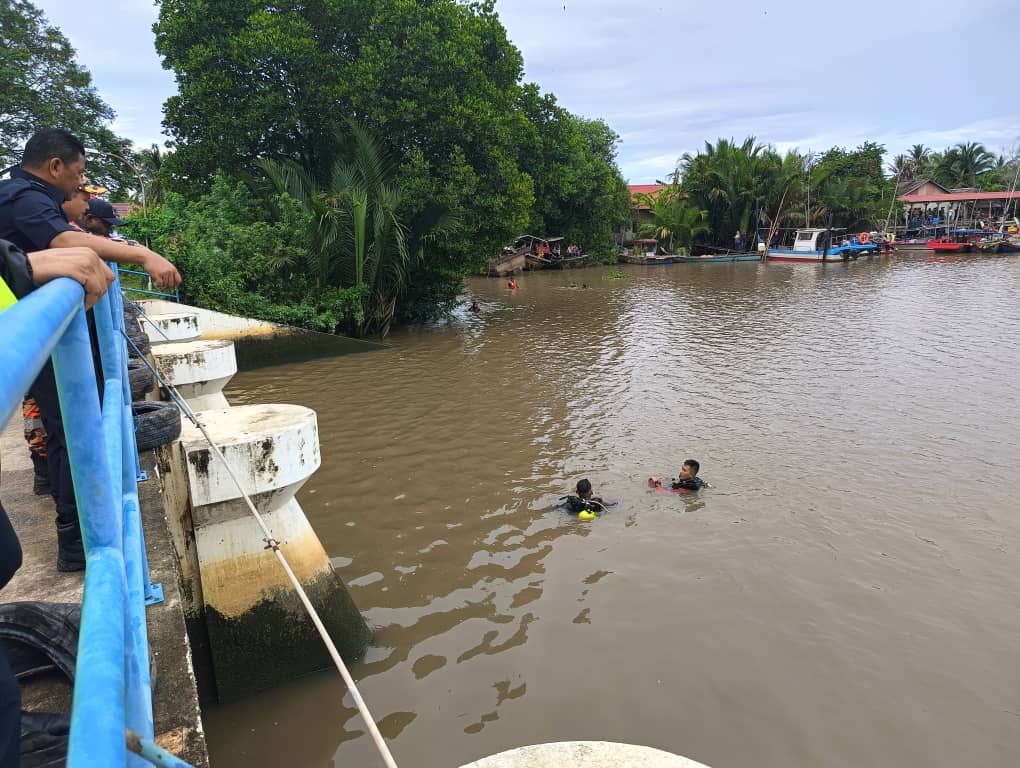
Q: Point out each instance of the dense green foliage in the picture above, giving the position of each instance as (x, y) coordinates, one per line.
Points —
(966, 164)
(44, 87)
(438, 83)
(242, 256)
(739, 186)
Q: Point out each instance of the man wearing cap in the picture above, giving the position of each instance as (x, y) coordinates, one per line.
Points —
(100, 218)
(32, 219)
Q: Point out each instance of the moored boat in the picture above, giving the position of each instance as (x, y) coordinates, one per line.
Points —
(511, 260)
(718, 257)
(948, 245)
(646, 252)
(812, 244)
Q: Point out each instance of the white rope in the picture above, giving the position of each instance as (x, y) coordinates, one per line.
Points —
(273, 544)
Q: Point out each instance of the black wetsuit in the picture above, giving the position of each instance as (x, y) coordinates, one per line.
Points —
(694, 484)
(576, 505)
(10, 692)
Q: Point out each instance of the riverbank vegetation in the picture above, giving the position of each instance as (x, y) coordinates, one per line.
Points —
(342, 166)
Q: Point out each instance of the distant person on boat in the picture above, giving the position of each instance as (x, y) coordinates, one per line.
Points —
(475, 308)
(512, 284)
(738, 242)
(687, 482)
(585, 504)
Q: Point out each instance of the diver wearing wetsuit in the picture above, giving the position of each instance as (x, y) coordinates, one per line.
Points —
(584, 501)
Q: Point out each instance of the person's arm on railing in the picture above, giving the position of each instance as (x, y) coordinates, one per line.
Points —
(162, 271)
(23, 273)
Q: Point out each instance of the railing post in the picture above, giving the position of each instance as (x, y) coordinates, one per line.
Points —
(97, 719)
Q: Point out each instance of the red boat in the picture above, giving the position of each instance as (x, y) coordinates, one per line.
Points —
(945, 245)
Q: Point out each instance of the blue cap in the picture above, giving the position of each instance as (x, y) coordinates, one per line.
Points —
(103, 210)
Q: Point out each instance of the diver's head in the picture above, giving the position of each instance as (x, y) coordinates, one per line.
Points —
(584, 488)
(690, 469)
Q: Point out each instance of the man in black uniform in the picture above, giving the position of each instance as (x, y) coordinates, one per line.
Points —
(31, 218)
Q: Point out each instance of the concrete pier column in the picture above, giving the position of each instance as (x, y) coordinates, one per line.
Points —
(259, 633)
(170, 327)
(199, 370)
(584, 754)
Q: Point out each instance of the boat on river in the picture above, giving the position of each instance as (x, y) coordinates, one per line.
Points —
(711, 258)
(647, 252)
(811, 244)
(544, 253)
(508, 262)
(948, 245)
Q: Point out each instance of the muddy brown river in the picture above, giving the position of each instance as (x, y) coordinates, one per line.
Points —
(847, 593)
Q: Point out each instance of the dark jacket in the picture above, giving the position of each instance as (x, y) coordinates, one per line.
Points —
(694, 484)
(30, 212)
(14, 269)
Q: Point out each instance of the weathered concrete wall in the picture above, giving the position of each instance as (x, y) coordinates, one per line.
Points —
(259, 634)
(198, 370)
(213, 324)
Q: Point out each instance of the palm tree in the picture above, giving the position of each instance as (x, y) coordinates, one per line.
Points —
(971, 160)
(360, 242)
(902, 167)
(673, 219)
(150, 161)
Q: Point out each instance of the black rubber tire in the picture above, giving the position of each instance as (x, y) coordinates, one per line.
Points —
(140, 378)
(137, 335)
(156, 424)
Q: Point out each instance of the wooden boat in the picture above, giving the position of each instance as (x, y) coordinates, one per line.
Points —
(812, 244)
(544, 253)
(646, 252)
(948, 245)
(714, 258)
(511, 260)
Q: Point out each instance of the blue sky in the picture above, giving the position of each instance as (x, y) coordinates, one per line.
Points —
(669, 75)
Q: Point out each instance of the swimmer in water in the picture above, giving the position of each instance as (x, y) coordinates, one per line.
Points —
(586, 505)
(688, 480)
(474, 307)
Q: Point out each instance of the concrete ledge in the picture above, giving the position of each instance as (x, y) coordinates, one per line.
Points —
(584, 754)
(273, 450)
(198, 369)
(170, 327)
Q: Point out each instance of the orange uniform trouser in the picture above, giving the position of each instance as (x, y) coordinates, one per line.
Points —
(35, 433)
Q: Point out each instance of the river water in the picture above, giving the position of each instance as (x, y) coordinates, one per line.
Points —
(845, 594)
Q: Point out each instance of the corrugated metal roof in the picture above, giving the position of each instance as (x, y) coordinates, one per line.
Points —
(955, 197)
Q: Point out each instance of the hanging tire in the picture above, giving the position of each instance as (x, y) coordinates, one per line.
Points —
(140, 378)
(39, 638)
(156, 424)
(138, 336)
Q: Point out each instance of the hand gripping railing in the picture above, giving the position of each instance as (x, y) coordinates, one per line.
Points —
(111, 715)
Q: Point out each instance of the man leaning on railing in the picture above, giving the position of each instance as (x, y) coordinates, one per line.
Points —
(31, 218)
(20, 274)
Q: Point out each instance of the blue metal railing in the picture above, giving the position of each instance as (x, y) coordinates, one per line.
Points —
(112, 690)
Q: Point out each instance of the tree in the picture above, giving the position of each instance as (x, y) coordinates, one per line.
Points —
(963, 164)
(359, 243)
(150, 164)
(579, 192)
(45, 87)
(674, 221)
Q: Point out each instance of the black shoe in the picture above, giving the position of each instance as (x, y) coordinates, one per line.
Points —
(41, 486)
(70, 550)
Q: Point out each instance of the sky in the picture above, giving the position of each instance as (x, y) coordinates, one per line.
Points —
(668, 76)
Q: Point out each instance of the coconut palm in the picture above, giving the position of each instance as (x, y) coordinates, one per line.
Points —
(359, 240)
(674, 221)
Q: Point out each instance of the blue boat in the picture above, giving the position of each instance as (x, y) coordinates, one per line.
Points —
(814, 245)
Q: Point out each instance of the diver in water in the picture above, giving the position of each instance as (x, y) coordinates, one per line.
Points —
(586, 505)
(688, 480)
